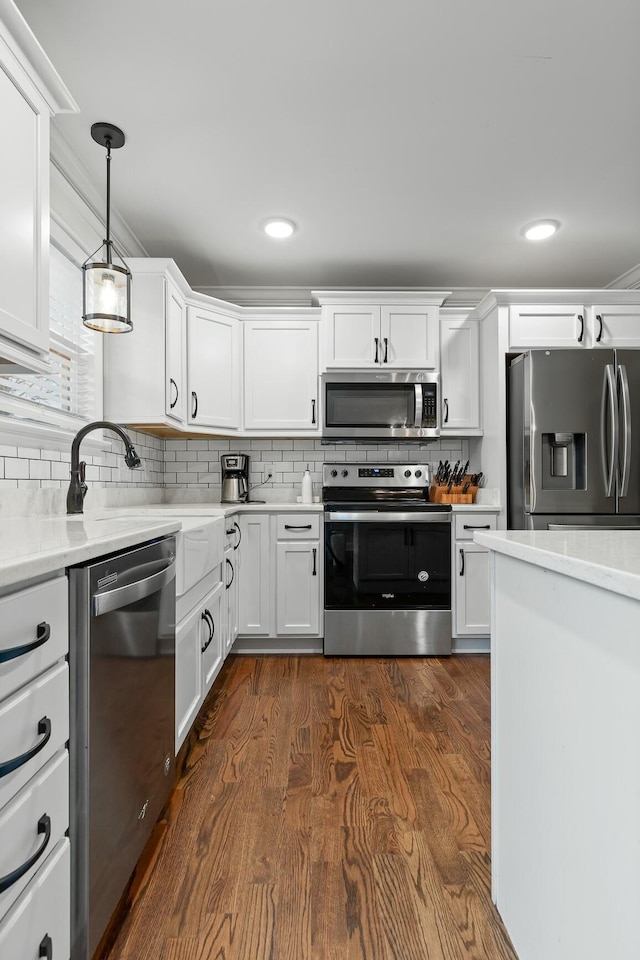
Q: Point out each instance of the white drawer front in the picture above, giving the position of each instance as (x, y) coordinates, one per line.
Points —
(21, 613)
(24, 828)
(468, 523)
(23, 727)
(298, 526)
(43, 910)
(199, 552)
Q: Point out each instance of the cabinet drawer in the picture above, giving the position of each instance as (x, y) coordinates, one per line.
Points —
(43, 910)
(199, 552)
(33, 823)
(23, 727)
(468, 523)
(39, 613)
(298, 526)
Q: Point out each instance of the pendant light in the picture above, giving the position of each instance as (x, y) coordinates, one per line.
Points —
(106, 288)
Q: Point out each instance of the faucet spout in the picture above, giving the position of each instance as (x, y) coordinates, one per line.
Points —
(77, 487)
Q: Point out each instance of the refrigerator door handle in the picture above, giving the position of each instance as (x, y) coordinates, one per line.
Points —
(609, 406)
(625, 430)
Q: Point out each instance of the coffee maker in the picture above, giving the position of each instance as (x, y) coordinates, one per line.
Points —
(235, 477)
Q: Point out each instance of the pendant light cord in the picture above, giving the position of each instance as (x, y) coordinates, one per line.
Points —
(108, 240)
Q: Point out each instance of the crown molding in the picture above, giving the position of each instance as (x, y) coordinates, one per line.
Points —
(630, 280)
(460, 298)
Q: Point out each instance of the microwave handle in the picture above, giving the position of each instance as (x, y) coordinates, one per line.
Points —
(419, 405)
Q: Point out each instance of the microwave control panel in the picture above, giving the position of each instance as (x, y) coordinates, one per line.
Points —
(430, 405)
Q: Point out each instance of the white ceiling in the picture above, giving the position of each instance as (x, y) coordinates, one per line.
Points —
(410, 140)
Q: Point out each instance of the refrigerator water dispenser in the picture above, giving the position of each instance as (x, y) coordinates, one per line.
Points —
(563, 461)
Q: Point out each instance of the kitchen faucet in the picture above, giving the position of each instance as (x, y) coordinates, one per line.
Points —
(77, 488)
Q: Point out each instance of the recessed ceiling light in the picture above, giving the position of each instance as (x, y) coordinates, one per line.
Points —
(279, 228)
(540, 229)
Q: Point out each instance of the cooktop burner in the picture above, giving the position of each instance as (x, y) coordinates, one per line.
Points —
(370, 485)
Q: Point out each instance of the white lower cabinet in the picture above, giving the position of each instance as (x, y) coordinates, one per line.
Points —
(39, 922)
(212, 636)
(470, 580)
(188, 674)
(280, 590)
(231, 573)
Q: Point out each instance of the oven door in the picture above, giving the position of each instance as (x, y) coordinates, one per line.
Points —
(387, 560)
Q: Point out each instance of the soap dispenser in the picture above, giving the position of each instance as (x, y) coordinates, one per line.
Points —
(306, 488)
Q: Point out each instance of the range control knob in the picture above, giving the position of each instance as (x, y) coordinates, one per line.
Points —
(407, 473)
(345, 473)
(334, 473)
(418, 473)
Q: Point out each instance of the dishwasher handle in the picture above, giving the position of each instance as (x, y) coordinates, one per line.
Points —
(122, 596)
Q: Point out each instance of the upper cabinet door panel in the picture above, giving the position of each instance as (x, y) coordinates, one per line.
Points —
(352, 336)
(214, 374)
(409, 337)
(24, 237)
(545, 326)
(176, 394)
(281, 375)
(460, 375)
(617, 326)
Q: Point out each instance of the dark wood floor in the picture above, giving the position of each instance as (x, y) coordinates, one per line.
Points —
(329, 808)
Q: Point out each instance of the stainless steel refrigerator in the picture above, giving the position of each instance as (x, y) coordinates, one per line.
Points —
(574, 440)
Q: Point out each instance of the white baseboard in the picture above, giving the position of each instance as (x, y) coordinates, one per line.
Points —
(471, 645)
(295, 645)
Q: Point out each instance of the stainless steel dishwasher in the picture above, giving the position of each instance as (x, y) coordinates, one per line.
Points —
(122, 661)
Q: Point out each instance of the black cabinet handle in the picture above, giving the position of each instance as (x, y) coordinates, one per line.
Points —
(174, 384)
(46, 948)
(476, 526)
(194, 397)
(293, 526)
(43, 632)
(386, 349)
(461, 562)
(208, 619)
(44, 826)
(446, 410)
(44, 729)
(313, 411)
(599, 319)
(314, 572)
(376, 357)
(239, 535)
(233, 573)
(581, 334)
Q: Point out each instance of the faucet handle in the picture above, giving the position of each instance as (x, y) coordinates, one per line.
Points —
(82, 467)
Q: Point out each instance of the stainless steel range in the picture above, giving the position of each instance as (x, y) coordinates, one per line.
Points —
(387, 562)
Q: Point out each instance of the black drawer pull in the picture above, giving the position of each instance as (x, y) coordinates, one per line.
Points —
(44, 826)
(206, 616)
(314, 572)
(43, 632)
(476, 526)
(194, 397)
(293, 526)
(599, 319)
(44, 729)
(313, 411)
(46, 948)
(461, 562)
(239, 532)
(446, 410)
(173, 384)
(376, 356)
(233, 573)
(581, 334)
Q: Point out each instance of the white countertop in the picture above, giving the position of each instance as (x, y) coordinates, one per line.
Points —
(609, 559)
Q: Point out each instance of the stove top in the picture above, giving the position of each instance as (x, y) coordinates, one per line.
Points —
(372, 485)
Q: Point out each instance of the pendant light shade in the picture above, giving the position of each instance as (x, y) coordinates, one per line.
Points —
(106, 287)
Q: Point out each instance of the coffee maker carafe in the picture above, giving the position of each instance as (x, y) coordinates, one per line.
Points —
(235, 477)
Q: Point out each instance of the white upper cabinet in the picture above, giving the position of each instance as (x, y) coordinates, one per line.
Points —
(145, 370)
(577, 325)
(459, 376)
(214, 368)
(30, 93)
(615, 326)
(380, 330)
(281, 375)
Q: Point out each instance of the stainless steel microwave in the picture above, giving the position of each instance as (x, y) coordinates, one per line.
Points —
(381, 405)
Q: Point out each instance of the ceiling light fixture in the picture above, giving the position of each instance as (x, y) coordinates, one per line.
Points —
(540, 229)
(106, 288)
(279, 228)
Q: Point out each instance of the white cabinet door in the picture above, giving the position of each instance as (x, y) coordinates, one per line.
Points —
(231, 571)
(352, 336)
(24, 193)
(617, 326)
(409, 337)
(281, 375)
(213, 374)
(547, 326)
(212, 636)
(459, 375)
(176, 333)
(255, 576)
(188, 673)
(298, 588)
(472, 587)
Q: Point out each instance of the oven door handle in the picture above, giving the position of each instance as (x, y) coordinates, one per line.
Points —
(381, 516)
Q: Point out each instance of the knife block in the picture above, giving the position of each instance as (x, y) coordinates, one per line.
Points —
(442, 494)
